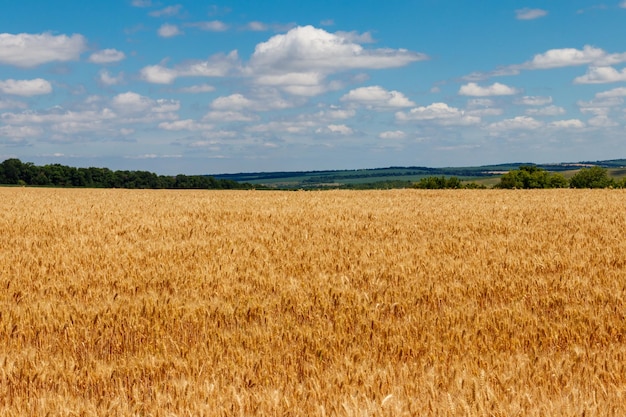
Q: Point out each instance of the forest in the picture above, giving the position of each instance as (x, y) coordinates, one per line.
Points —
(15, 172)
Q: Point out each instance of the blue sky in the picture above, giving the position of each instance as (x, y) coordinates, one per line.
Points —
(238, 86)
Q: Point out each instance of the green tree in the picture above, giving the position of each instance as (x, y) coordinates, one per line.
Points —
(531, 176)
(594, 177)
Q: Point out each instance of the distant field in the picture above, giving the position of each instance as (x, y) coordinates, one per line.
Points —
(330, 303)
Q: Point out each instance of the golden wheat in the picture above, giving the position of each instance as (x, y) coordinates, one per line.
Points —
(381, 303)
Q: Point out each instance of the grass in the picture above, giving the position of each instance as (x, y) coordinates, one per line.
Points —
(334, 303)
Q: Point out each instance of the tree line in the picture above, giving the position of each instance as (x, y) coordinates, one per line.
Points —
(15, 172)
(532, 177)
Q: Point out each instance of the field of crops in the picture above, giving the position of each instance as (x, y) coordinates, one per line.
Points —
(334, 303)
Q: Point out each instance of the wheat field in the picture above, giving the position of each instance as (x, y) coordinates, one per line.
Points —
(334, 303)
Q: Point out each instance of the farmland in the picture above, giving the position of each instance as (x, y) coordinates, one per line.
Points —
(329, 303)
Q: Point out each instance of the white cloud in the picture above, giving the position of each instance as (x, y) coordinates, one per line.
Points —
(516, 123)
(211, 26)
(216, 66)
(529, 14)
(26, 88)
(567, 57)
(377, 97)
(601, 75)
(336, 114)
(600, 106)
(107, 56)
(61, 121)
(168, 31)
(567, 124)
(262, 102)
(556, 58)
(439, 113)
(480, 107)
(158, 74)
(392, 135)
(187, 124)
(546, 111)
(228, 116)
(107, 79)
(11, 104)
(623, 4)
(28, 50)
(602, 121)
(534, 100)
(256, 26)
(168, 11)
(336, 129)
(130, 103)
(480, 102)
(234, 102)
(290, 127)
(356, 37)
(300, 60)
(616, 92)
(496, 89)
(197, 89)
(20, 132)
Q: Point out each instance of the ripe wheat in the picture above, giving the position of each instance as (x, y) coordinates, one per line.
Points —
(381, 303)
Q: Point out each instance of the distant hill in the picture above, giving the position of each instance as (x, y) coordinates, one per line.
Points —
(396, 177)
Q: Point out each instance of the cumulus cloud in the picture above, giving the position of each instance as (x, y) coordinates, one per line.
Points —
(59, 120)
(546, 111)
(107, 117)
(229, 116)
(567, 57)
(20, 132)
(233, 102)
(377, 97)
(496, 89)
(556, 58)
(11, 104)
(217, 66)
(130, 102)
(30, 50)
(257, 26)
(26, 88)
(529, 14)
(439, 113)
(238, 102)
(188, 124)
(300, 61)
(336, 114)
(107, 79)
(197, 89)
(534, 100)
(168, 31)
(601, 75)
(211, 26)
(567, 124)
(516, 123)
(336, 129)
(392, 135)
(600, 106)
(602, 121)
(616, 92)
(107, 56)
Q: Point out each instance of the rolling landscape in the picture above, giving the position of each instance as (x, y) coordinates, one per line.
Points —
(387, 177)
